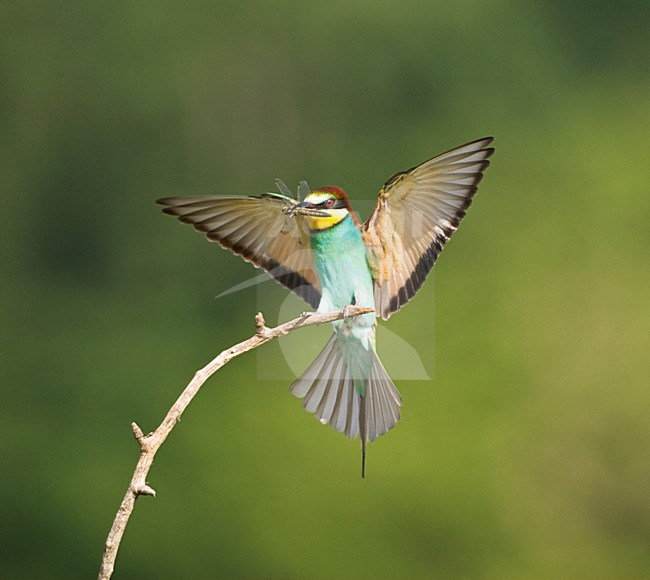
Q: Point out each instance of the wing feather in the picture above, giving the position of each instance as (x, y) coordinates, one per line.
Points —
(256, 229)
(417, 212)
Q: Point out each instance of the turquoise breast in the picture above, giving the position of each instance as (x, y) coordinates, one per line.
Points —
(340, 257)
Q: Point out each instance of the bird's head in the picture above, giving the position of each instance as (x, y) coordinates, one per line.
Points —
(329, 200)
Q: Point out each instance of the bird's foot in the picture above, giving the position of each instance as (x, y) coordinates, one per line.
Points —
(347, 309)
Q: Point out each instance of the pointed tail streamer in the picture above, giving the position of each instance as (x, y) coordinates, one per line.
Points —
(368, 406)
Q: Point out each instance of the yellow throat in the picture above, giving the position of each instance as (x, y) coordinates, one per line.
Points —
(322, 223)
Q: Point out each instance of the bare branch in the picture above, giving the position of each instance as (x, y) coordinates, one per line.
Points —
(149, 444)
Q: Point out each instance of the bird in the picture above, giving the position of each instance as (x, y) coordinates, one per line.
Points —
(318, 248)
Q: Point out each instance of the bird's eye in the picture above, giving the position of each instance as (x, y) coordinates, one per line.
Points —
(329, 202)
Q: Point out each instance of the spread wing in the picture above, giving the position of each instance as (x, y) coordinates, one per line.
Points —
(416, 213)
(256, 229)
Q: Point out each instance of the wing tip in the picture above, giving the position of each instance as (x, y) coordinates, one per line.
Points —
(476, 146)
(483, 141)
(174, 211)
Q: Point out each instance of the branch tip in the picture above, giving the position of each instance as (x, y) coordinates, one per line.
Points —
(137, 432)
(144, 490)
(260, 325)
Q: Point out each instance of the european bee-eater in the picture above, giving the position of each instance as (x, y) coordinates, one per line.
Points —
(318, 248)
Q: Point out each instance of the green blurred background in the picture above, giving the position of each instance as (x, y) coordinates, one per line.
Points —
(527, 456)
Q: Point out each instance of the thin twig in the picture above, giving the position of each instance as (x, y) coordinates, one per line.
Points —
(149, 444)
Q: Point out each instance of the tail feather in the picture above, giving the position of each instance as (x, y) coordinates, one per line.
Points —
(363, 416)
(330, 410)
(386, 400)
(317, 393)
(328, 390)
(346, 422)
